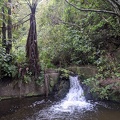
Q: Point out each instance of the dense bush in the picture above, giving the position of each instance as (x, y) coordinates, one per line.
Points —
(7, 67)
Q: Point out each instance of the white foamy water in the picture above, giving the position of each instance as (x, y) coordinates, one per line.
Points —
(74, 100)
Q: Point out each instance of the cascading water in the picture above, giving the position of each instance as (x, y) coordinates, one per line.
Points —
(74, 100)
(72, 107)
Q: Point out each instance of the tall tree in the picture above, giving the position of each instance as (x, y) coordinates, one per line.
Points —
(3, 28)
(9, 42)
(31, 45)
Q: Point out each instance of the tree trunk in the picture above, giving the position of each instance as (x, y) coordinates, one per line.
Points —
(9, 42)
(3, 29)
(31, 46)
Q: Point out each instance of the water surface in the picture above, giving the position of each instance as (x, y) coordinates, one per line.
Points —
(39, 108)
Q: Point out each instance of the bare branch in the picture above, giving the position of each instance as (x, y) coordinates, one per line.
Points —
(19, 22)
(24, 17)
(29, 4)
(93, 10)
(36, 2)
(68, 23)
(111, 2)
(117, 3)
(25, 21)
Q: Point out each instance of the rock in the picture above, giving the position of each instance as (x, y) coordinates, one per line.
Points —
(61, 89)
(88, 94)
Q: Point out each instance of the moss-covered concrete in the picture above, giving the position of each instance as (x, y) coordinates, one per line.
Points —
(18, 88)
(87, 71)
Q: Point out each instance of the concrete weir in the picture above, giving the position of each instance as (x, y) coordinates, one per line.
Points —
(21, 89)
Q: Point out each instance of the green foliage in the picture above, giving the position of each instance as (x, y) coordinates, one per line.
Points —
(20, 55)
(80, 46)
(79, 40)
(64, 73)
(103, 92)
(107, 69)
(26, 78)
(117, 74)
(7, 67)
(45, 60)
(40, 79)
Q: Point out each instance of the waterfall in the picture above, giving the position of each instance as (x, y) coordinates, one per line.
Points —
(75, 93)
(74, 100)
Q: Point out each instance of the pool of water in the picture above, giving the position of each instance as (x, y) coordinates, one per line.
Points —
(40, 108)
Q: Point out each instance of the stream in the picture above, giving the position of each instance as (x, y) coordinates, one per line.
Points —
(73, 107)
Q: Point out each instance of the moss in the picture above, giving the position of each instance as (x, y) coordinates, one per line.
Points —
(31, 94)
(3, 98)
(50, 89)
(52, 83)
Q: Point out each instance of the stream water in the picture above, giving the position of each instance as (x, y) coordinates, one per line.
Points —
(72, 107)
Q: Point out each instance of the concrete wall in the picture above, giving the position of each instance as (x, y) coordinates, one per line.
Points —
(20, 88)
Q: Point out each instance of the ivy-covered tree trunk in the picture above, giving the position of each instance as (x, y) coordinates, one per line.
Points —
(9, 42)
(3, 29)
(31, 46)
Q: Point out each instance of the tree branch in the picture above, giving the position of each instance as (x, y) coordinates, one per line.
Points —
(117, 2)
(69, 23)
(29, 4)
(93, 10)
(19, 22)
(24, 17)
(36, 2)
(112, 3)
(25, 21)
